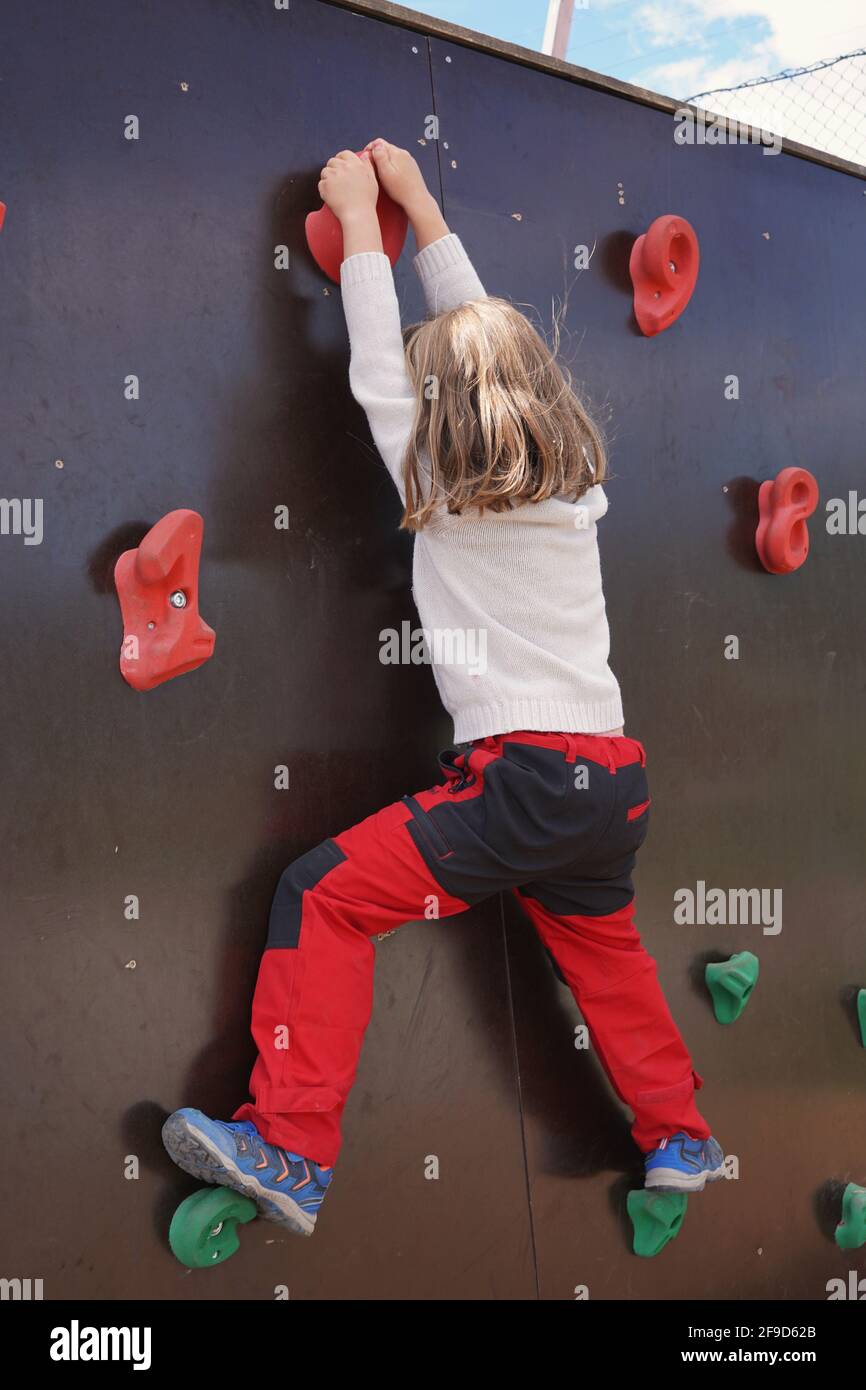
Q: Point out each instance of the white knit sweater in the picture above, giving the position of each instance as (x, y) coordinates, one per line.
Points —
(510, 602)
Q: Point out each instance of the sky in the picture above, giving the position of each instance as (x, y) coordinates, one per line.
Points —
(682, 47)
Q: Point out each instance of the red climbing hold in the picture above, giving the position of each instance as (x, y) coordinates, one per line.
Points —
(664, 270)
(325, 235)
(157, 584)
(2, 213)
(782, 537)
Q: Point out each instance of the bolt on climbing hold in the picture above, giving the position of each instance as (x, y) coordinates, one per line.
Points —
(861, 1015)
(730, 983)
(656, 1218)
(663, 267)
(784, 503)
(851, 1231)
(325, 235)
(164, 634)
(204, 1229)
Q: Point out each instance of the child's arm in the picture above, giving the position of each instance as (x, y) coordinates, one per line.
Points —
(446, 272)
(377, 370)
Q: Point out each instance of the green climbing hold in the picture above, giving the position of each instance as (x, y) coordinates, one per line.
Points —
(851, 1231)
(861, 1014)
(731, 982)
(656, 1218)
(204, 1229)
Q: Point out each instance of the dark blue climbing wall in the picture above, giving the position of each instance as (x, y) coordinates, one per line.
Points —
(155, 257)
(755, 763)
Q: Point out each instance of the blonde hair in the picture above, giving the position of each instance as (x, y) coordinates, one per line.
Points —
(497, 416)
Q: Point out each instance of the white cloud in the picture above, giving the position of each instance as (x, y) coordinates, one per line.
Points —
(702, 74)
(825, 110)
(801, 32)
(670, 26)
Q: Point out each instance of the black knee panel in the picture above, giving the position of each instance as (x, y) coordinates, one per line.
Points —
(284, 924)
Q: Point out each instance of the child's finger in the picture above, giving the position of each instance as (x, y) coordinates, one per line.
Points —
(337, 160)
(380, 149)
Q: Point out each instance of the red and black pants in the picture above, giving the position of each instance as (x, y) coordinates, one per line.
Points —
(556, 819)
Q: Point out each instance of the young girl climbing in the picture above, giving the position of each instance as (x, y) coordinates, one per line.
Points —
(499, 469)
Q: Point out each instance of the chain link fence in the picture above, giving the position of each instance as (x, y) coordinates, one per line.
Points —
(823, 105)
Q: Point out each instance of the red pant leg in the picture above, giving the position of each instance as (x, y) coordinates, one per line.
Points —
(315, 986)
(614, 982)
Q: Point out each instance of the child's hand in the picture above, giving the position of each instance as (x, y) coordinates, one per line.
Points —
(348, 185)
(399, 174)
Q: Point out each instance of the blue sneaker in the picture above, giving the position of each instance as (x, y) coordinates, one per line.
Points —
(286, 1187)
(681, 1164)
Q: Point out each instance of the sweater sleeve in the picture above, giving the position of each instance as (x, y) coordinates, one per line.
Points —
(447, 275)
(377, 368)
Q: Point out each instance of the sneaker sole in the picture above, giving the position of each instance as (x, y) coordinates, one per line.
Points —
(669, 1180)
(197, 1154)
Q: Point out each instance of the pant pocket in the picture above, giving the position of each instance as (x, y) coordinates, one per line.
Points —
(429, 832)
